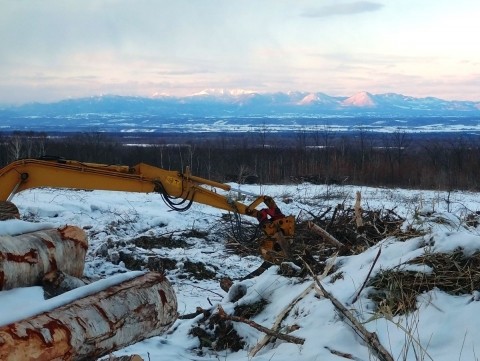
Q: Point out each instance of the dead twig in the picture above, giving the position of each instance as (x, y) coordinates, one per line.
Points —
(368, 276)
(205, 289)
(125, 358)
(287, 309)
(341, 354)
(333, 217)
(278, 321)
(370, 338)
(279, 335)
(326, 236)
(198, 311)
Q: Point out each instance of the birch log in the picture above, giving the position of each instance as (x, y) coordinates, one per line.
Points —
(95, 325)
(8, 210)
(57, 282)
(26, 258)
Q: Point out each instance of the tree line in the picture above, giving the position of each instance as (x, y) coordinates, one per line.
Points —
(396, 159)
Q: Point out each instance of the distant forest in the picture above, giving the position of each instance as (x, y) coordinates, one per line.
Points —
(449, 161)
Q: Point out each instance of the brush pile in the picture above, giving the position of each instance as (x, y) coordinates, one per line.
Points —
(339, 222)
(396, 290)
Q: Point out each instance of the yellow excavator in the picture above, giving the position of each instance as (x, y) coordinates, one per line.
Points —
(178, 190)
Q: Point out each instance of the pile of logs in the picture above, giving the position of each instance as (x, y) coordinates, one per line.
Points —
(26, 258)
(87, 323)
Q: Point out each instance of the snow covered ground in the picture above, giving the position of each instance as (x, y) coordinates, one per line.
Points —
(444, 328)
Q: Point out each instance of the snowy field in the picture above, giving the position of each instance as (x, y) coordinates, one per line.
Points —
(444, 328)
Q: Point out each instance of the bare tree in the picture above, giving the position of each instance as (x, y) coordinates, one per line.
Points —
(15, 147)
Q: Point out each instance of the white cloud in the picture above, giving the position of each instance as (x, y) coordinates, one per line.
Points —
(185, 46)
(351, 8)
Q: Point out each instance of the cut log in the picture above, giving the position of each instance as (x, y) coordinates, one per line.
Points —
(26, 258)
(8, 210)
(95, 325)
(57, 282)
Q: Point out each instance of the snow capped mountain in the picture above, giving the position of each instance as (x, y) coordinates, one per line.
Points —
(242, 110)
(215, 92)
(318, 99)
(362, 100)
(158, 95)
(248, 97)
(309, 99)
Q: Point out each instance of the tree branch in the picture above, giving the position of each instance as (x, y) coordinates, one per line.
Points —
(368, 276)
(370, 337)
(281, 336)
(326, 236)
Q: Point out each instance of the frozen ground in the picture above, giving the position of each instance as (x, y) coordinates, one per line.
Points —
(444, 328)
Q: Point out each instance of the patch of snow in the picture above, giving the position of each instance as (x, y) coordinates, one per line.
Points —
(444, 326)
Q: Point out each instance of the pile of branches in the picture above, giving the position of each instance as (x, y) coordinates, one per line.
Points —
(215, 330)
(242, 237)
(341, 223)
(396, 291)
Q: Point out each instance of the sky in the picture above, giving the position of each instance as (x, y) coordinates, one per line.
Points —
(441, 329)
(53, 50)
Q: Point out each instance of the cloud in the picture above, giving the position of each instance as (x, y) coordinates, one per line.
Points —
(184, 72)
(343, 9)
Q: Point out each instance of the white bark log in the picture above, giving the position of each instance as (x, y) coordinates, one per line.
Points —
(96, 325)
(57, 282)
(26, 258)
(8, 210)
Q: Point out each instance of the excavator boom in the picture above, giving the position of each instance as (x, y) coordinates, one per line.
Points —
(179, 190)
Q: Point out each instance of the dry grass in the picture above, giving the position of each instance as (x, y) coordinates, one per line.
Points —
(396, 291)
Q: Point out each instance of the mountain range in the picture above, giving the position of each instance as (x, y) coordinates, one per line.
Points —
(238, 110)
(218, 101)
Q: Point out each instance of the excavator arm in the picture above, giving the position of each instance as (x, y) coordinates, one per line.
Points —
(179, 190)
